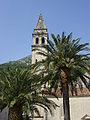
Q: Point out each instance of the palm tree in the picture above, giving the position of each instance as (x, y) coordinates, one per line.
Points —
(20, 89)
(64, 63)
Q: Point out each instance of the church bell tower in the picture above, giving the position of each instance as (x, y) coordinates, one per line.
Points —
(40, 38)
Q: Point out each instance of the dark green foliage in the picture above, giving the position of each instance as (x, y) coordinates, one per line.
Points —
(20, 87)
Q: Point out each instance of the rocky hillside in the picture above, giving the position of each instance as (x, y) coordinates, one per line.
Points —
(23, 62)
(26, 60)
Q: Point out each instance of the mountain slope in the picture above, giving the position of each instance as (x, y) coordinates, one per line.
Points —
(23, 62)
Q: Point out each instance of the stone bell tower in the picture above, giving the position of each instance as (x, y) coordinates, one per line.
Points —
(40, 38)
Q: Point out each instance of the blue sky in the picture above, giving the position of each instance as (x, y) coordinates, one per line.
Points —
(19, 17)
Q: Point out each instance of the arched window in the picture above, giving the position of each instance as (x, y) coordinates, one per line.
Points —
(36, 61)
(37, 40)
(43, 40)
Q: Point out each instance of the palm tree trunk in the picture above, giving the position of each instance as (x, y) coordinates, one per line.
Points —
(15, 113)
(65, 90)
(66, 107)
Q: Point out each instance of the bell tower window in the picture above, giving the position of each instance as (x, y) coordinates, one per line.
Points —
(43, 40)
(36, 61)
(37, 40)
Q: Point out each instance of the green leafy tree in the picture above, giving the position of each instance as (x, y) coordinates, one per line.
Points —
(65, 64)
(20, 89)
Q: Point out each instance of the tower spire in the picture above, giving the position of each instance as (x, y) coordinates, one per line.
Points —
(40, 23)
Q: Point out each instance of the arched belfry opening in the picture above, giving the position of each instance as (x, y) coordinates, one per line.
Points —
(39, 39)
(43, 40)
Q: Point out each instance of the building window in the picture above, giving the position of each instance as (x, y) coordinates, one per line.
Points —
(37, 40)
(36, 61)
(43, 40)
